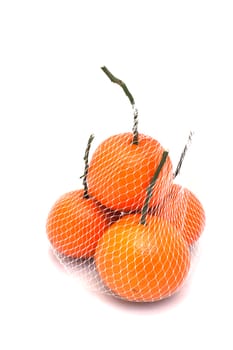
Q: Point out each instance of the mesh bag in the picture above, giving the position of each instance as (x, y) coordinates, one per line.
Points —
(129, 231)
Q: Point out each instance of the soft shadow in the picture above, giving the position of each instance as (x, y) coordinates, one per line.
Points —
(85, 270)
(105, 295)
(81, 269)
(55, 261)
(68, 264)
(163, 305)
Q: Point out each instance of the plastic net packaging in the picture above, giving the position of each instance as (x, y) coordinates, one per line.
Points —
(131, 227)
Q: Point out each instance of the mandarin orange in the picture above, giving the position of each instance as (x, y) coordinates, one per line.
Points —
(184, 210)
(120, 172)
(75, 224)
(142, 263)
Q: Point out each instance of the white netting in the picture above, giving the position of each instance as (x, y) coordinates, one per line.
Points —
(131, 228)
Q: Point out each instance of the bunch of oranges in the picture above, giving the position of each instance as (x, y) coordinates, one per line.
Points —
(131, 217)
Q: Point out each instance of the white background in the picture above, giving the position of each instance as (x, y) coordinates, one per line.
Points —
(177, 59)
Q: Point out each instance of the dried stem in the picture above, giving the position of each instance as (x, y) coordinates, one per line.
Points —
(84, 176)
(151, 187)
(183, 155)
(135, 126)
(119, 82)
(130, 97)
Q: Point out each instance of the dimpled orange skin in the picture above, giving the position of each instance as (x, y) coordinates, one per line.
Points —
(74, 225)
(142, 263)
(120, 172)
(184, 210)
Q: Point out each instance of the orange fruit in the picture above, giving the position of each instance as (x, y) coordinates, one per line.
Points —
(184, 210)
(142, 263)
(75, 224)
(120, 172)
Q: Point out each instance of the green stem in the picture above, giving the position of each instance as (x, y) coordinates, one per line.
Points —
(84, 176)
(130, 97)
(151, 187)
(177, 171)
